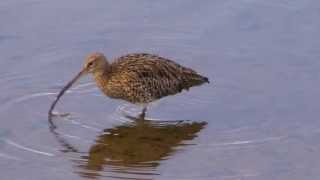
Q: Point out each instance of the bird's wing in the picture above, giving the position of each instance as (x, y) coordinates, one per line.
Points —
(157, 75)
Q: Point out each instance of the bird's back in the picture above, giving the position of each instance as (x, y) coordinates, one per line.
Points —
(142, 78)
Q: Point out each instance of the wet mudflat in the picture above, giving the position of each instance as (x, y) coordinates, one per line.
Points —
(257, 120)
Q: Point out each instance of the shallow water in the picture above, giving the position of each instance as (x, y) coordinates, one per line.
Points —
(257, 120)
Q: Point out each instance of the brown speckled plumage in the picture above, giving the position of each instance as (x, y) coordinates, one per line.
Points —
(138, 78)
(143, 78)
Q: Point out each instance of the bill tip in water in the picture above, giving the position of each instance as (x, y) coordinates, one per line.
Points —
(57, 114)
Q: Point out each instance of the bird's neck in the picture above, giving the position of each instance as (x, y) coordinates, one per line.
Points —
(101, 76)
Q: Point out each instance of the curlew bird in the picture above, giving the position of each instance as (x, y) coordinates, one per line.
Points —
(138, 78)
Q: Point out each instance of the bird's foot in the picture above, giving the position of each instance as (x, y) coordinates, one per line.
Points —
(142, 116)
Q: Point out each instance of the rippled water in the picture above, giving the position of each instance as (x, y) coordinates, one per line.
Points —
(258, 119)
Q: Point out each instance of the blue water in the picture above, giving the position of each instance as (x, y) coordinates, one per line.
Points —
(258, 119)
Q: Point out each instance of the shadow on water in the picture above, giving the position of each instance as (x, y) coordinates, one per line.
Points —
(132, 150)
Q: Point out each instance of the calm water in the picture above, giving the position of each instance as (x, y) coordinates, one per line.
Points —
(257, 120)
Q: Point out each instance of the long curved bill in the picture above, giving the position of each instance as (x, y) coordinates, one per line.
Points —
(64, 89)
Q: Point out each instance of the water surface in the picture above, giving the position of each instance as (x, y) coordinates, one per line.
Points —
(257, 120)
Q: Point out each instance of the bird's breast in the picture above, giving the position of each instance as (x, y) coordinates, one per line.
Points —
(108, 86)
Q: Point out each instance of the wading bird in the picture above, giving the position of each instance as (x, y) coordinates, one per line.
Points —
(138, 78)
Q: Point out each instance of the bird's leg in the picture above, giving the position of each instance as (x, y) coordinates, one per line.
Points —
(143, 113)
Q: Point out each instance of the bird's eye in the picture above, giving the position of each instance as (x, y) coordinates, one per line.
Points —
(90, 64)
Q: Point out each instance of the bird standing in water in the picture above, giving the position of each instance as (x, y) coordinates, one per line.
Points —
(138, 78)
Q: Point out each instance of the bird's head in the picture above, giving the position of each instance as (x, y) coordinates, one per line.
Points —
(95, 62)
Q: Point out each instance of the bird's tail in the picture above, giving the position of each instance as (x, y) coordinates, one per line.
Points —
(205, 79)
(196, 80)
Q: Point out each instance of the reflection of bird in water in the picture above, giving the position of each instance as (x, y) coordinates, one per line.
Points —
(137, 78)
(137, 146)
